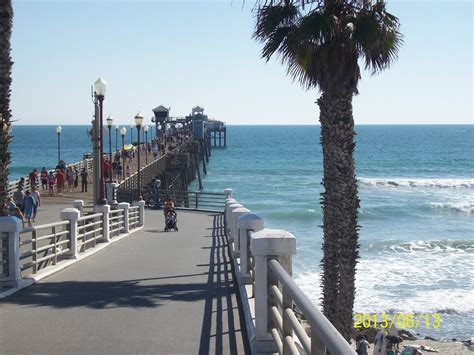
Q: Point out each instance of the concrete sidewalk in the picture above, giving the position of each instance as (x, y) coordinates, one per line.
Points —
(151, 293)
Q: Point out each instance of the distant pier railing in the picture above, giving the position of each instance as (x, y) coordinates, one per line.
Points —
(263, 264)
(127, 190)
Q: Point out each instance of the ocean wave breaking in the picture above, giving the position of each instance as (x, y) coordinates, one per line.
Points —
(453, 206)
(434, 183)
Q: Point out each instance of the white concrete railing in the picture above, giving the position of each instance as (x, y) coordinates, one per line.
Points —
(25, 252)
(263, 263)
(43, 245)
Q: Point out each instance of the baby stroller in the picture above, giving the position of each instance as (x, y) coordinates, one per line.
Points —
(171, 219)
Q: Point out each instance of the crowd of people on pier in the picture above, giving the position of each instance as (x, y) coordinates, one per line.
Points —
(65, 178)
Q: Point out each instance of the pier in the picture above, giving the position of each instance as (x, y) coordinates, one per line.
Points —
(109, 279)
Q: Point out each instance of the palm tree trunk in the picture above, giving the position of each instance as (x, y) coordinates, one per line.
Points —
(6, 19)
(340, 204)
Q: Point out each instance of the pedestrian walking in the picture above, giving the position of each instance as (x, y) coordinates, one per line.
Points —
(33, 178)
(36, 197)
(60, 181)
(44, 178)
(28, 207)
(51, 181)
(119, 169)
(18, 197)
(84, 179)
(70, 178)
(76, 177)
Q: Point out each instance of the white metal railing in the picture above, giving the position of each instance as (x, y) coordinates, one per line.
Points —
(134, 217)
(43, 245)
(90, 230)
(116, 222)
(263, 260)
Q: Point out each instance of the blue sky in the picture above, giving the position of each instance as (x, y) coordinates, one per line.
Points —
(187, 53)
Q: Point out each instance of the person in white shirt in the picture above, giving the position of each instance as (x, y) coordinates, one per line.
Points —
(36, 197)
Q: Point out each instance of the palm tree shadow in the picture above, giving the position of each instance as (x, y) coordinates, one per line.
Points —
(111, 294)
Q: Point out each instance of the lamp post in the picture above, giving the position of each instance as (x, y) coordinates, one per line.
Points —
(123, 130)
(138, 123)
(116, 136)
(131, 134)
(110, 121)
(145, 129)
(100, 87)
(58, 132)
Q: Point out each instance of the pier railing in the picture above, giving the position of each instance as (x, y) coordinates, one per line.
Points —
(27, 252)
(44, 245)
(127, 190)
(263, 262)
(193, 200)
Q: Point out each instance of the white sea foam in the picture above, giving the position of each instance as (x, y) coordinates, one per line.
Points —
(412, 277)
(403, 182)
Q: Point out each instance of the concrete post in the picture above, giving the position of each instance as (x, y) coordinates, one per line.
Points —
(228, 202)
(105, 210)
(72, 215)
(111, 186)
(79, 205)
(236, 213)
(125, 206)
(228, 193)
(141, 204)
(245, 224)
(228, 231)
(12, 226)
(264, 244)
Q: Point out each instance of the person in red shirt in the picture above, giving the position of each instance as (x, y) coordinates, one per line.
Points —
(106, 169)
(60, 181)
(33, 178)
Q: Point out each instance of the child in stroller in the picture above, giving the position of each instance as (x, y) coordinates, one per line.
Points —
(171, 218)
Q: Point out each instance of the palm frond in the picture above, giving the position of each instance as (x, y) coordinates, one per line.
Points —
(377, 36)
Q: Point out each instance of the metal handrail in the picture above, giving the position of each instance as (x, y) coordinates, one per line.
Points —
(323, 333)
(195, 200)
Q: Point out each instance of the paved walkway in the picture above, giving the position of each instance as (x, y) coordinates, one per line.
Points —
(151, 293)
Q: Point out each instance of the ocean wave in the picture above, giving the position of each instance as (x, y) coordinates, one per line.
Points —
(445, 246)
(295, 215)
(453, 206)
(434, 183)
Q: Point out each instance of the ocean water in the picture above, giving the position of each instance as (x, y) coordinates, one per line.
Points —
(416, 185)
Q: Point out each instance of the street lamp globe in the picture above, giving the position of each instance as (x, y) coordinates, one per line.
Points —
(123, 131)
(146, 128)
(138, 119)
(110, 121)
(100, 87)
(59, 129)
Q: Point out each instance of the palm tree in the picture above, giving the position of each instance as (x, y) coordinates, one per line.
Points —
(321, 42)
(6, 18)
